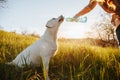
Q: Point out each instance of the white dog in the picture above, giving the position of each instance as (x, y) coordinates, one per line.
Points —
(43, 48)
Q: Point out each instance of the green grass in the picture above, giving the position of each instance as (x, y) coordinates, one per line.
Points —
(74, 60)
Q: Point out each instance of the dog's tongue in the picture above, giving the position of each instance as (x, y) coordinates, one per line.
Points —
(81, 19)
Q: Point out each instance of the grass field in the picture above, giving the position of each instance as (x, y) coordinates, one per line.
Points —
(74, 60)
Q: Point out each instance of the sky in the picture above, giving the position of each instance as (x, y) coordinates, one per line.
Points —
(32, 15)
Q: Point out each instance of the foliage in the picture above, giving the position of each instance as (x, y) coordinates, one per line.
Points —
(104, 30)
(74, 60)
(2, 3)
(2, 0)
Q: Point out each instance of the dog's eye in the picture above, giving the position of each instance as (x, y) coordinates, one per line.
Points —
(53, 18)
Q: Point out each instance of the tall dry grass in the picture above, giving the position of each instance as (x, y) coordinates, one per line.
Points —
(74, 60)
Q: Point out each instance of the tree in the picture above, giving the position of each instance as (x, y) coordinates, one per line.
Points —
(2, 2)
(107, 28)
(104, 30)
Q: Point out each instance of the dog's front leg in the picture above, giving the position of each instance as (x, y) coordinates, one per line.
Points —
(46, 67)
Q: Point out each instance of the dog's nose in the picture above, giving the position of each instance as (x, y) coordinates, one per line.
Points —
(61, 16)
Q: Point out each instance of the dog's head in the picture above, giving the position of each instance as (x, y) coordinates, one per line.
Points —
(55, 22)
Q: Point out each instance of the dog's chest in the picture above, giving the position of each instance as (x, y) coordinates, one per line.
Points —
(51, 48)
(46, 48)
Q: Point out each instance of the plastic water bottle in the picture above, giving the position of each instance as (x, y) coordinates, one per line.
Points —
(81, 19)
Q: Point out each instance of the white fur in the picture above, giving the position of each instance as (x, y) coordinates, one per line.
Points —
(43, 48)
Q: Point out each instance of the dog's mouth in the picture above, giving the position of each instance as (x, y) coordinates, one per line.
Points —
(61, 19)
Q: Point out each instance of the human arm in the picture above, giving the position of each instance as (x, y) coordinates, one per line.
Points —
(87, 9)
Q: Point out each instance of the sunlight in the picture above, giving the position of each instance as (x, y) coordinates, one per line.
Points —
(73, 30)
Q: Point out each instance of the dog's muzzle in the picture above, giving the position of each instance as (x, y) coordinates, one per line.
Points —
(61, 18)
